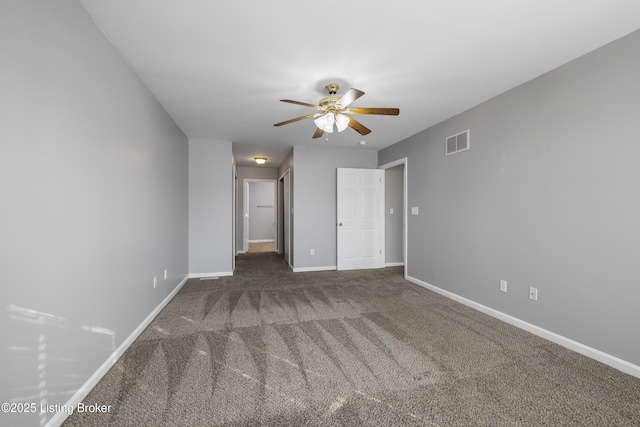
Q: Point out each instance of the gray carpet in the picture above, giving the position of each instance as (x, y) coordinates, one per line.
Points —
(268, 347)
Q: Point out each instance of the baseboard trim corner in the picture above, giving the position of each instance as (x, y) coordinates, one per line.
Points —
(84, 390)
(600, 356)
(210, 275)
(306, 269)
(394, 264)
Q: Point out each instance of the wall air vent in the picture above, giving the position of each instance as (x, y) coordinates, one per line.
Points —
(458, 142)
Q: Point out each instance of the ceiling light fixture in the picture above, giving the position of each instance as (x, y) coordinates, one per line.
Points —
(342, 122)
(260, 160)
(326, 122)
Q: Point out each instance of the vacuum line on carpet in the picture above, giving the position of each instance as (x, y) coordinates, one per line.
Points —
(335, 405)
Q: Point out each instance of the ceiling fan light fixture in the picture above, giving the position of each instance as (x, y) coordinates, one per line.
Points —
(260, 160)
(342, 122)
(332, 111)
(325, 122)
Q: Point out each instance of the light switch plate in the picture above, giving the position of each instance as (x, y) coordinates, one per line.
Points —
(415, 210)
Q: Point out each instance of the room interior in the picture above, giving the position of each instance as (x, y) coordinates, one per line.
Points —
(128, 128)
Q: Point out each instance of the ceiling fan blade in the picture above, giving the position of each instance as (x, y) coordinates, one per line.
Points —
(306, 104)
(358, 127)
(380, 111)
(351, 95)
(318, 133)
(308, 116)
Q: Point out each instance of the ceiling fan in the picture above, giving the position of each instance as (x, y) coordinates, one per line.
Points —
(333, 110)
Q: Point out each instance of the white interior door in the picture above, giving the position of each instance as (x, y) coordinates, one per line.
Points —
(360, 218)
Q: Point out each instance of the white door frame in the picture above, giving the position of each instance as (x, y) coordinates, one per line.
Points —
(286, 217)
(245, 210)
(234, 226)
(405, 222)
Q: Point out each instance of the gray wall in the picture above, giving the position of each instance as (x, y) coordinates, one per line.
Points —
(393, 178)
(93, 187)
(262, 210)
(546, 197)
(210, 208)
(315, 200)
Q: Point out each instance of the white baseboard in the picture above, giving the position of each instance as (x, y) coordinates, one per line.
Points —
(607, 359)
(261, 241)
(305, 269)
(333, 267)
(208, 275)
(82, 392)
(394, 264)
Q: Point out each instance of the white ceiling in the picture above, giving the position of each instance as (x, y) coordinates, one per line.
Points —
(220, 68)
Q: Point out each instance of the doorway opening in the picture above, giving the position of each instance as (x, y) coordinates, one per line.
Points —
(259, 228)
(396, 215)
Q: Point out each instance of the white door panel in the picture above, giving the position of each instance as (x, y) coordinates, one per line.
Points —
(349, 244)
(360, 218)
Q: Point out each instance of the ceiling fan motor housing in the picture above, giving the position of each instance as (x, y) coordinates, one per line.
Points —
(328, 104)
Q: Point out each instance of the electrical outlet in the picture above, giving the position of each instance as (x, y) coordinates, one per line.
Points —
(155, 281)
(533, 293)
(503, 285)
(312, 252)
(165, 274)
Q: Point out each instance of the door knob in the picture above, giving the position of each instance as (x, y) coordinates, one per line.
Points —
(340, 224)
